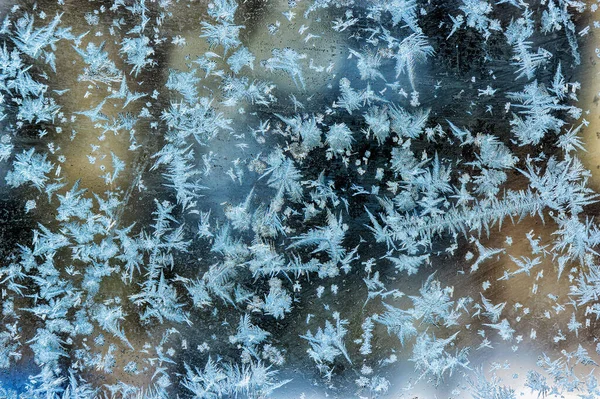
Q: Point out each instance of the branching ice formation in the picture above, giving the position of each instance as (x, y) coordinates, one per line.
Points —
(391, 199)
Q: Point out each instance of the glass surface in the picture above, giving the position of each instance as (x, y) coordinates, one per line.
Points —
(299, 199)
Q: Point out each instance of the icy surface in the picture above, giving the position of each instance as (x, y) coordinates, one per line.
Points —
(299, 199)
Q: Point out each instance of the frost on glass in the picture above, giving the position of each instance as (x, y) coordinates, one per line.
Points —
(299, 199)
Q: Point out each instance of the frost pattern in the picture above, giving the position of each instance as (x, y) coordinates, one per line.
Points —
(392, 199)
